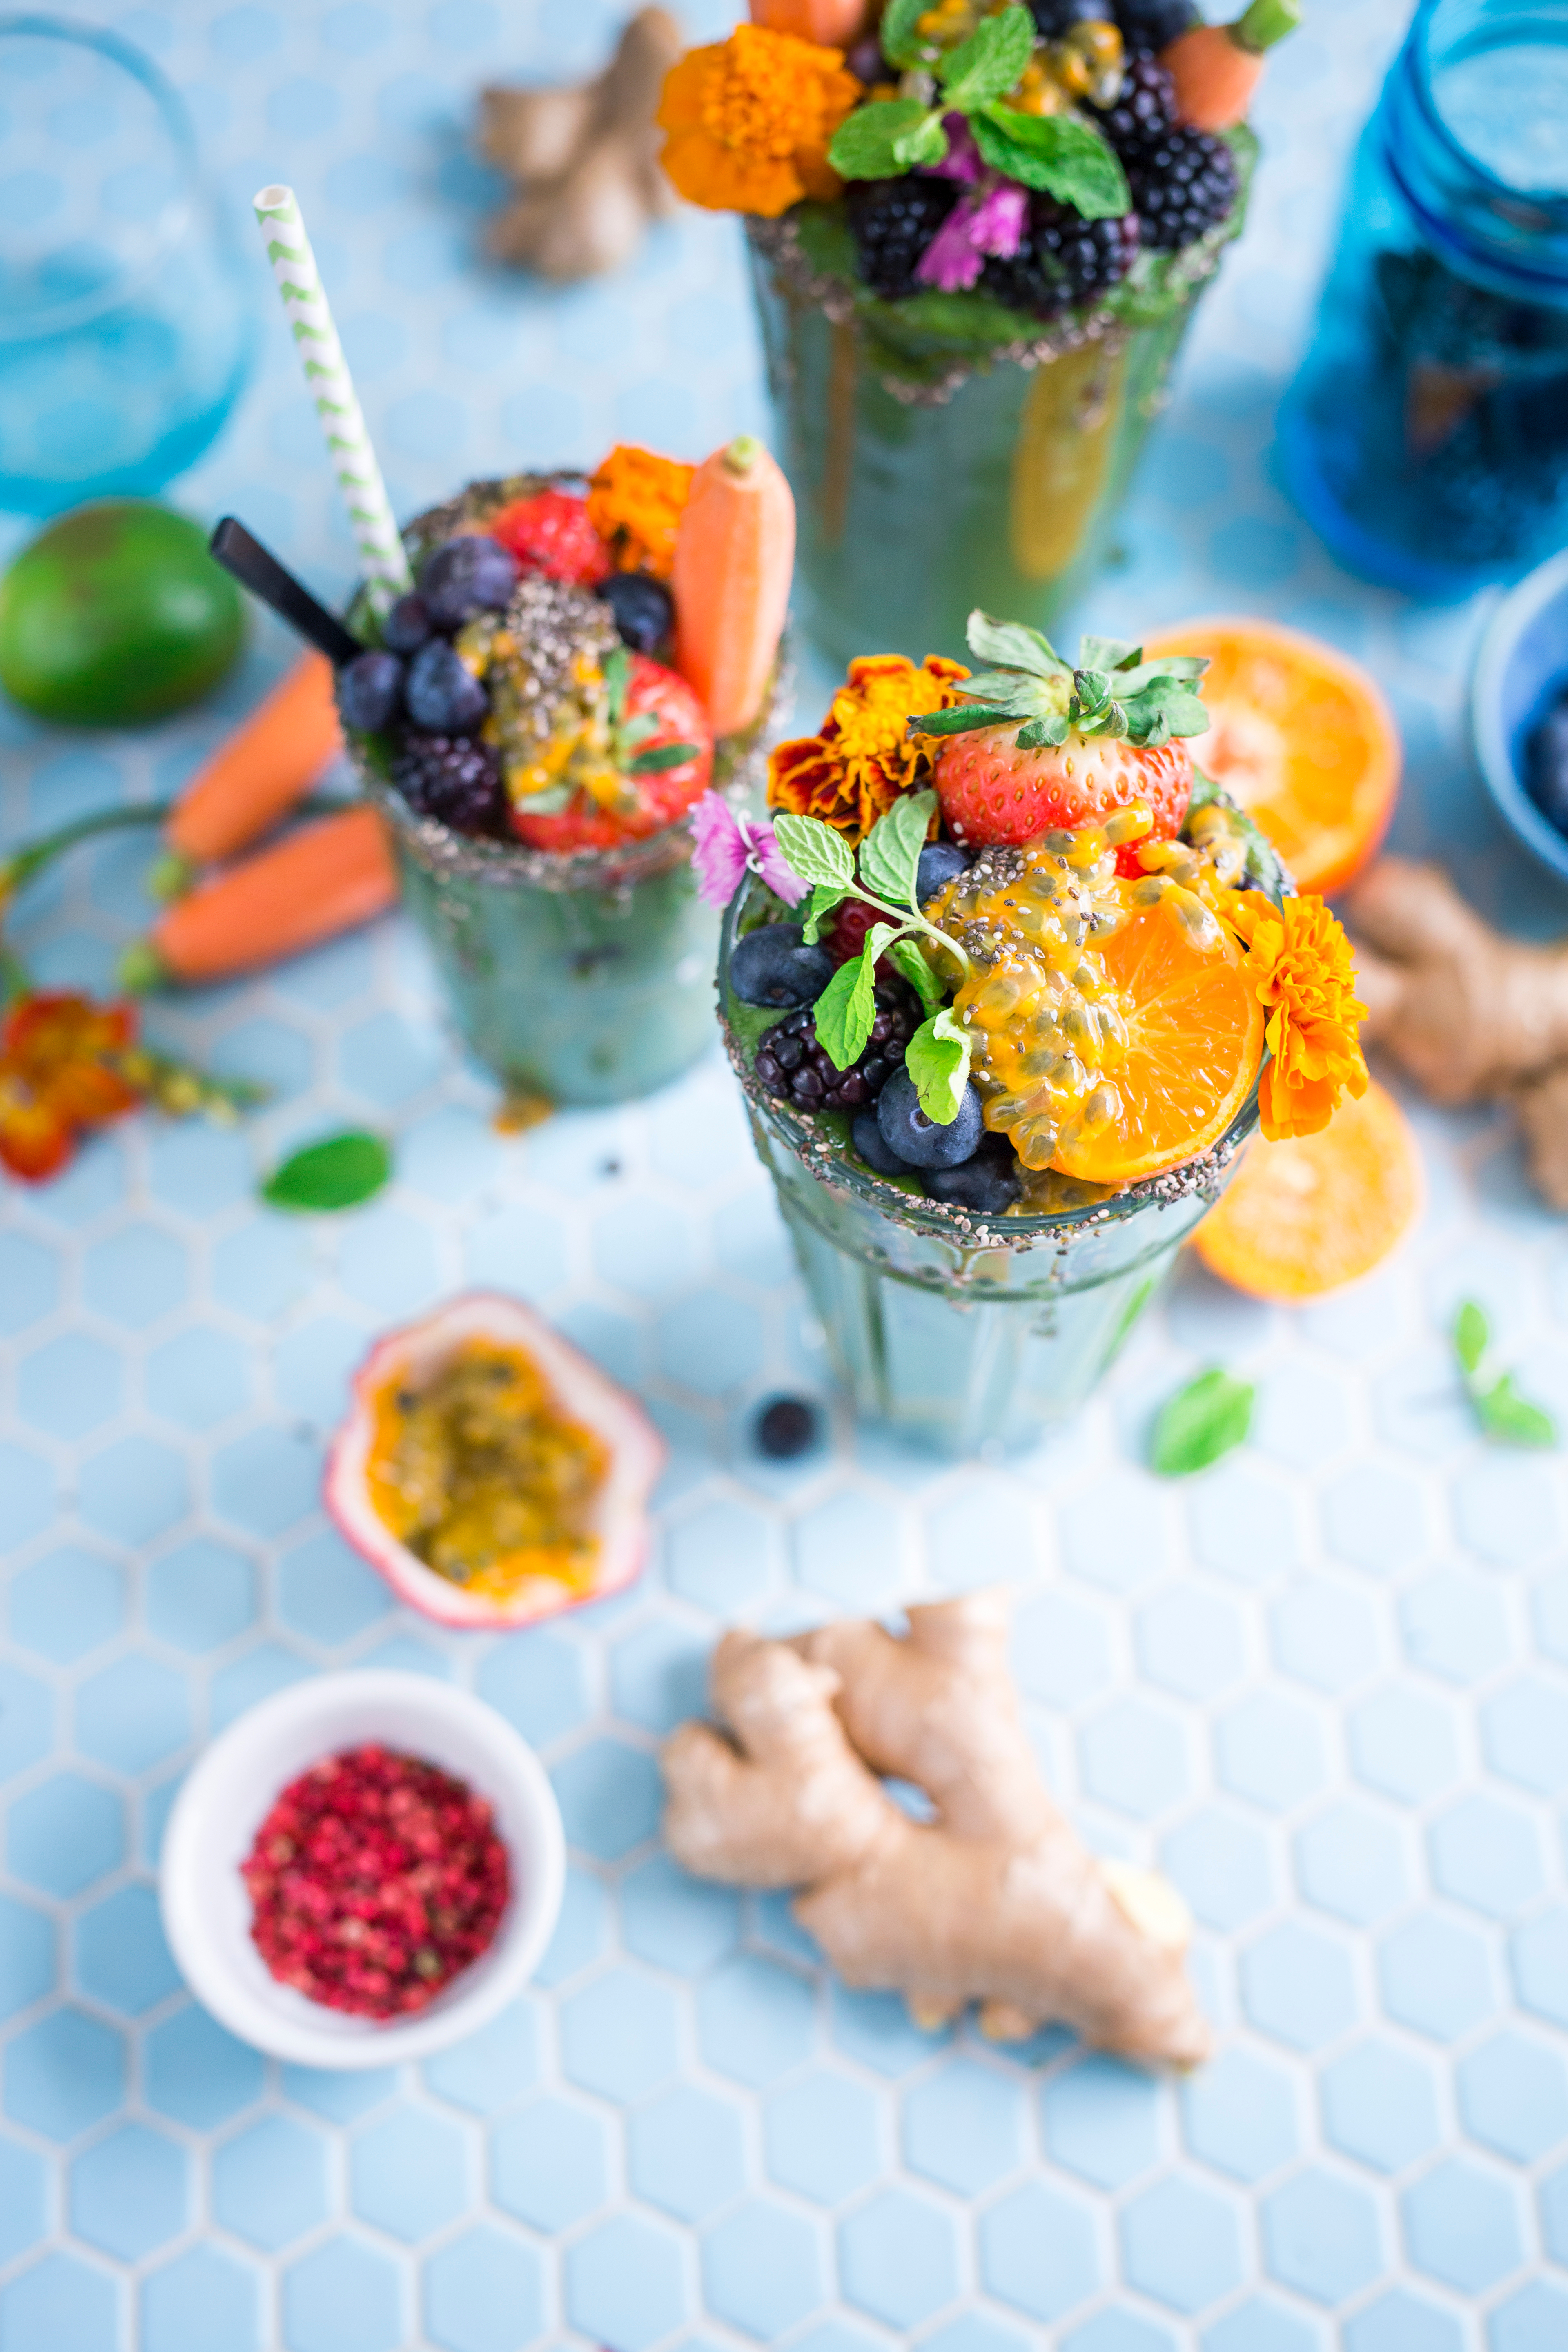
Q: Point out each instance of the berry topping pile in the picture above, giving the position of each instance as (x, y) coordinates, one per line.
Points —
(793, 1065)
(374, 1880)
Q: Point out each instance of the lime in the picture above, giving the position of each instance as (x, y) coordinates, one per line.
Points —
(116, 613)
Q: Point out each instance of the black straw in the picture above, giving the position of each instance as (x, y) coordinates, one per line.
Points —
(233, 547)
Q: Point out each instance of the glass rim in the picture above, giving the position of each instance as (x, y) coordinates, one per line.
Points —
(175, 217)
(1523, 208)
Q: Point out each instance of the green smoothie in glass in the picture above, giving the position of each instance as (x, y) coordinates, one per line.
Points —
(1006, 986)
(974, 267)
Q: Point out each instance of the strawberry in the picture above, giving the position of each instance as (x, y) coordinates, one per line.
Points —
(663, 794)
(551, 533)
(990, 791)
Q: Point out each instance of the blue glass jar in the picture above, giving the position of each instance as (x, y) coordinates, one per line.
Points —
(1426, 435)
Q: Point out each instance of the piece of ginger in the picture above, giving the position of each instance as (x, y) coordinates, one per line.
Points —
(584, 159)
(993, 1900)
(1471, 1015)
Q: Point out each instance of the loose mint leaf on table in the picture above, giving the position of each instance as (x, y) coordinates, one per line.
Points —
(936, 1059)
(1054, 153)
(1511, 1419)
(1472, 1336)
(823, 897)
(890, 853)
(815, 851)
(906, 957)
(872, 144)
(1200, 1422)
(339, 1172)
(991, 62)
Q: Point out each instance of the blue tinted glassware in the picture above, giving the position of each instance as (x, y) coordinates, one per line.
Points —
(125, 324)
(1426, 435)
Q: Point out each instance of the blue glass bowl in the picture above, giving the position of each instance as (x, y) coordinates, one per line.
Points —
(1522, 666)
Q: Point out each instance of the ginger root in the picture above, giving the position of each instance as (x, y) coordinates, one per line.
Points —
(993, 1900)
(1472, 1017)
(584, 159)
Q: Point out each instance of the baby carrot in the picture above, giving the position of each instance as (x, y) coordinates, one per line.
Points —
(831, 24)
(254, 779)
(320, 880)
(1215, 68)
(734, 552)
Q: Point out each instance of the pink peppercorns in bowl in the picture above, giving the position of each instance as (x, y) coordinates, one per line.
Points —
(363, 1868)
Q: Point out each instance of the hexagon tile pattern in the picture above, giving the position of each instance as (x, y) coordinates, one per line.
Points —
(1324, 1685)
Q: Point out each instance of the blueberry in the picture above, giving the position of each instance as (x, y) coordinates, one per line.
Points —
(406, 625)
(368, 690)
(919, 1141)
(867, 1137)
(786, 1426)
(442, 696)
(1546, 766)
(644, 610)
(989, 1183)
(771, 966)
(939, 864)
(472, 573)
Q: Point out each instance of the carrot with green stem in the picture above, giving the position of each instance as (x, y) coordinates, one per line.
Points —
(734, 552)
(324, 878)
(1217, 67)
(255, 778)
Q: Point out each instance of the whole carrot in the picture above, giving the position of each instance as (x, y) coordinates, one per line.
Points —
(734, 552)
(1215, 68)
(321, 880)
(254, 779)
(831, 24)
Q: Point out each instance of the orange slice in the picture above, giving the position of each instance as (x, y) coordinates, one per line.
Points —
(1195, 1032)
(1303, 739)
(1305, 1215)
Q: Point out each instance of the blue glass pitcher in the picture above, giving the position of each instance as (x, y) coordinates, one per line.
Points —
(1426, 435)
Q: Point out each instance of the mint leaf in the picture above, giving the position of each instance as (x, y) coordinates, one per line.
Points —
(339, 1172)
(906, 957)
(823, 897)
(1471, 1337)
(890, 853)
(847, 1005)
(1200, 1422)
(1056, 152)
(667, 755)
(899, 32)
(867, 144)
(815, 851)
(926, 144)
(991, 62)
(1510, 1418)
(1013, 647)
(937, 1059)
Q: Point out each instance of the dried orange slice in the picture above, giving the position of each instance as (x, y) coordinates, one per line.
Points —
(1304, 1215)
(1303, 739)
(1194, 1040)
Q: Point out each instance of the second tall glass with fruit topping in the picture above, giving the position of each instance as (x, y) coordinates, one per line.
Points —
(977, 233)
(1007, 985)
(580, 660)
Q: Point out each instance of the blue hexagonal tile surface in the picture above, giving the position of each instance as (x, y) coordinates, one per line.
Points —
(1322, 1687)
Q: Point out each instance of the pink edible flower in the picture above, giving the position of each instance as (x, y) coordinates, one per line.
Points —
(962, 160)
(983, 222)
(997, 224)
(726, 845)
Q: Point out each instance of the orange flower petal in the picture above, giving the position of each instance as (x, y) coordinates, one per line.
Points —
(721, 181)
(680, 103)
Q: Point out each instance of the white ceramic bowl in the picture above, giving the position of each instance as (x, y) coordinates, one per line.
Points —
(206, 1907)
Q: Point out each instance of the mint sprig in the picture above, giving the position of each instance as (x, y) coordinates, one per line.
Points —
(1503, 1415)
(938, 1055)
(1060, 153)
(1208, 1418)
(1113, 691)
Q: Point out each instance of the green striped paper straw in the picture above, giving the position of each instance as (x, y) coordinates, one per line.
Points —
(326, 372)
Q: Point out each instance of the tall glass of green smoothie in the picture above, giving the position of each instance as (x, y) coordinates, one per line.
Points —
(1006, 991)
(977, 235)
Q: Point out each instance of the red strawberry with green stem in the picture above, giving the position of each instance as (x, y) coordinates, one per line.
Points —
(660, 742)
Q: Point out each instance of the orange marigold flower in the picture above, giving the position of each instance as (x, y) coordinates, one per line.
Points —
(635, 503)
(59, 1072)
(749, 120)
(1306, 978)
(863, 757)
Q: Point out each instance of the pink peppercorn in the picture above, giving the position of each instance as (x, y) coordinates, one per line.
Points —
(374, 1880)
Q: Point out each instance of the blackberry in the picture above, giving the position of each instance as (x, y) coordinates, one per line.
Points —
(1063, 261)
(1145, 108)
(1184, 183)
(893, 221)
(792, 1064)
(1150, 25)
(453, 779)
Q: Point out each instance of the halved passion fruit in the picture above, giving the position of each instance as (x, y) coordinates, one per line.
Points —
(489, 1471)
